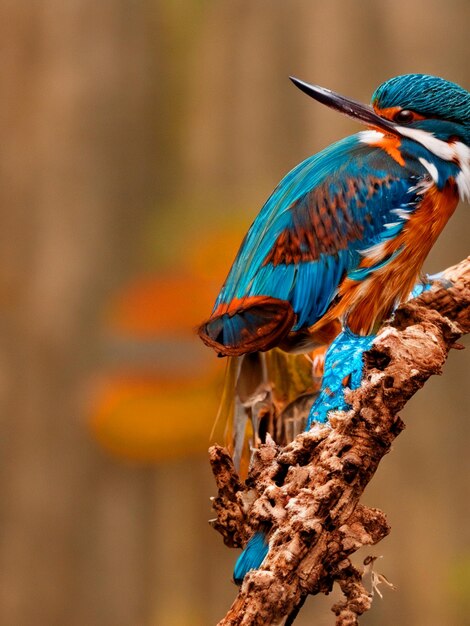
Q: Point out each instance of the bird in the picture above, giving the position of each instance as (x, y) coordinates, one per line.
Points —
(341, 241)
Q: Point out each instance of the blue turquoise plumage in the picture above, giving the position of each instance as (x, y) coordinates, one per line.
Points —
(289, 210)
(362, 219)
(342, 239)
(252, 556)
(343, 362)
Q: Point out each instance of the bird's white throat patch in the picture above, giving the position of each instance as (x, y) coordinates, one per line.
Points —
(439, 148)
(371, 137)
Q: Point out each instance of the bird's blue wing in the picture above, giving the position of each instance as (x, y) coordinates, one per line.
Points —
(306, 238)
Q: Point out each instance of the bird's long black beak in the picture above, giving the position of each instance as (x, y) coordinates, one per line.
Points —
(358, 111)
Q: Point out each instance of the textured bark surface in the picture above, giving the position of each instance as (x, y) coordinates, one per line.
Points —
(307, 494)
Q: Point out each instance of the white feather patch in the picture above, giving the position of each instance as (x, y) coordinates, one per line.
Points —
(371, 137)
(375, 253)
(463, 178)
(431, 168)
(401, 213)
(422, 187)
(438, 147)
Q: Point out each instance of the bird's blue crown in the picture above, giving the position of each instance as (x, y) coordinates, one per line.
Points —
(429, 96)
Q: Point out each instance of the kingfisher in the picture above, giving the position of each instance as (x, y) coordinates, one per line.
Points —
(342, 239)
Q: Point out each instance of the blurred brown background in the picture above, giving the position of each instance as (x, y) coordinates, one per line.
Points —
(138, 140)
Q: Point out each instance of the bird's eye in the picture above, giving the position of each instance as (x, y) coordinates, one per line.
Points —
(404, 116)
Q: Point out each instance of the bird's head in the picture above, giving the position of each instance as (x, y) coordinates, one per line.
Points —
(428, 103)
(425, 109)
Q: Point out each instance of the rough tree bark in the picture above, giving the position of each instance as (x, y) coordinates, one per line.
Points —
(308, 493)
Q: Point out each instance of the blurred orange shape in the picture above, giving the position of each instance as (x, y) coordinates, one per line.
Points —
(161, 304)
(145, 421)
(162, 400)
(176, 302)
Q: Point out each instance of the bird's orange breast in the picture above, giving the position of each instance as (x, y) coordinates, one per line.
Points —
(370, 301)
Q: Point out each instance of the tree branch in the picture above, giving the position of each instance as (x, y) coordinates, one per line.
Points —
(307, 493)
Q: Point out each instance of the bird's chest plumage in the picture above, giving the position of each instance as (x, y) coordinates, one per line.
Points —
(366, 303)
(429, 219)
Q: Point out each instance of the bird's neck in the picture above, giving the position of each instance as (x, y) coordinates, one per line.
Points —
(444, 159)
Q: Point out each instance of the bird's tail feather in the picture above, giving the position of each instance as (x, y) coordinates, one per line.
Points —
(253, 324)
(272, 392)
(267, 392)
(252, 556)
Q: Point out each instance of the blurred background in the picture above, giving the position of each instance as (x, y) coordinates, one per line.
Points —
(138, 141)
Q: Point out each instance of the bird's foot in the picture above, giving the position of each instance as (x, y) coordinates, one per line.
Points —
(427, 282)
(343, 370)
